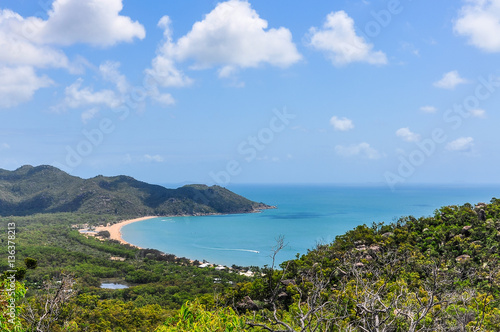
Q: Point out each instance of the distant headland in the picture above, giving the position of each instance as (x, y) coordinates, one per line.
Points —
(47, 189)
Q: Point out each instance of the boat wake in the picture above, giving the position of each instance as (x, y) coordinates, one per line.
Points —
(228, 249)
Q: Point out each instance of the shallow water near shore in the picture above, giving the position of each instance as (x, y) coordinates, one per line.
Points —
(306, 215)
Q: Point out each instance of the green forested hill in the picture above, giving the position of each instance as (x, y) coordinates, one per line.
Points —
(46, 189)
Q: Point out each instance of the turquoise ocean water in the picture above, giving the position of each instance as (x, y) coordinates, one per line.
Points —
(306, 215)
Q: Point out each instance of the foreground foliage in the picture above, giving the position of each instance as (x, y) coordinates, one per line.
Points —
(195, 317)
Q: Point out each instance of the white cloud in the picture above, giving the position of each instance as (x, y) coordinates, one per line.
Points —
(234, 34)
(407, 135)
(231, 36)
(462, 144)
(479, 21)
(165, 73)
(153, 158)
(450, 80)
(338, 39)
(18, 50)
(89, 114)
(478, 113)
(227, 71)
(18, 85)
(164, 99)
(76, 96)
(342, 124)
(94, 22)
(109, 71)
(25, 41)
(4, 146)
(362, 149)
(428, 109)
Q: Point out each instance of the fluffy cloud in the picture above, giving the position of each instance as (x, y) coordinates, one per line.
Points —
(18, 50)
(338, 39)
(165, 73)
(343, 124)
(362, 149)
(76, 97)
(407, 135)
(231, 36)
(450, 80)
(18, 59)
(479, 21)
(428, 109)
(94, 22)
(462, 144)
(18, 84)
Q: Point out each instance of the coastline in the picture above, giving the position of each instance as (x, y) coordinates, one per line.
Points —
(116, 234)
(115, 229)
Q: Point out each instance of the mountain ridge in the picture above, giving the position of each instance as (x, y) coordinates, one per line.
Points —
(47, 189)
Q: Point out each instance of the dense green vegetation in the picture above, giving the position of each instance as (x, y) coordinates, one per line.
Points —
(159, 283)
(436, 273)
(46, 189)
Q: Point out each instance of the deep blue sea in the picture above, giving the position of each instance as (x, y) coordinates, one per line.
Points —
(306, 215)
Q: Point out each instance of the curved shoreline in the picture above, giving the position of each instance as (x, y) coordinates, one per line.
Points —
(115, 229)
(116, 234)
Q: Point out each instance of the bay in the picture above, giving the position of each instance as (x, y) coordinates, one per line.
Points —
(306, 215)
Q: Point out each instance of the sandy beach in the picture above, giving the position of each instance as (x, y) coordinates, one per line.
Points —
(115, 229)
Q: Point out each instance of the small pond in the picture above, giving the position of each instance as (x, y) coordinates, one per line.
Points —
(113, 285)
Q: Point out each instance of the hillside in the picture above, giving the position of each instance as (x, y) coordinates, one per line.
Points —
(46, 189)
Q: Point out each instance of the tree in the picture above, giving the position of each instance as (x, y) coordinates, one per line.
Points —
(30, 263)
(104, 234)
(46, 307)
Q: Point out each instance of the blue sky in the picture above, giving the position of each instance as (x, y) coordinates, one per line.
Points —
(394, 92)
